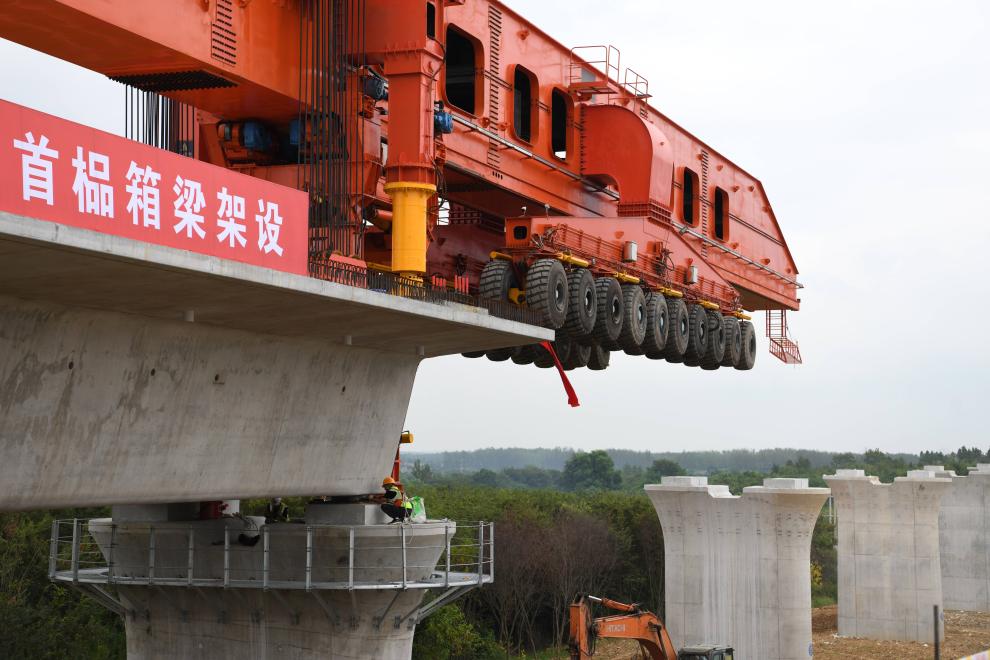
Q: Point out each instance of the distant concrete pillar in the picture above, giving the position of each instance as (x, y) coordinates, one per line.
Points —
(888, 546)
(964, 539)
(737, 569)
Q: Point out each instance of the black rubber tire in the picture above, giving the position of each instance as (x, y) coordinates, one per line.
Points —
(678, 329)
(733, 341)
(608, 323)
(582, 304)
(497, 277)
(748, 357)
(501, 354)
(599, 358)
(474, 354)
(697, 335)
(546, 292)
(715, 352)
(543, 358)
(525, 355)
(633, 319)
(656, 326)
(578, 358)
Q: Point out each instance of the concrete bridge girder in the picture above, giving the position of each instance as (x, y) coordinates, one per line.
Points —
(283, 385)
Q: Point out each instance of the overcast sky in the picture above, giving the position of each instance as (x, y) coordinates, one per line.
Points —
(868, 123)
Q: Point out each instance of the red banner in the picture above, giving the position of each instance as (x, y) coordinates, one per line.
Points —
(55, 170)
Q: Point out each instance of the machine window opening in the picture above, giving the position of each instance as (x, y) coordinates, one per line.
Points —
(689, 207)
(461, 83)
(431, 20)
(559, 110)
(721, 220)
(523, 85)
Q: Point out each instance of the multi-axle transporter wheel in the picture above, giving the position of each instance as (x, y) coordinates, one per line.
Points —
(608, 324)
(697, 335)
(474, 354)
(501, 354)
(633, 319)
(748, 336)
(599, 359)
(715, 352)
(562, 347)
(578, 356)
(525, 354)
(497, 278)
(733, 341)
(678, 330)
(656, 326)
(582, 304)
(546, 292)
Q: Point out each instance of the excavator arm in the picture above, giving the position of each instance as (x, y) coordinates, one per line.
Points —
(645, 627)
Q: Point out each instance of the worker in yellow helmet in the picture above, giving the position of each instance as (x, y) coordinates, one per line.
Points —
(396, 506)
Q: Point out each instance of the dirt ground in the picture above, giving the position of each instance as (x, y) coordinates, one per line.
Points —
(966, 633)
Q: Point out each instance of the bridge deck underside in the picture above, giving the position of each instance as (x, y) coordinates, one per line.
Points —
(78, 268)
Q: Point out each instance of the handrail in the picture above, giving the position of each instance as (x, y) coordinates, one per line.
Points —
(329, 269)
(174, 555)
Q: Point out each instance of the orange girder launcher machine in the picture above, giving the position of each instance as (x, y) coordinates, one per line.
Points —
(451, 148)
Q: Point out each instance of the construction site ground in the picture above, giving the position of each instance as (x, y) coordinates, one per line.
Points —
(966, 633)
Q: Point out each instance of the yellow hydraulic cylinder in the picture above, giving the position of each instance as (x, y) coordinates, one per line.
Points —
(409, 202)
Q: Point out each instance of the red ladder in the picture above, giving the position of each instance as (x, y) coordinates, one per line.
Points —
(782, 347)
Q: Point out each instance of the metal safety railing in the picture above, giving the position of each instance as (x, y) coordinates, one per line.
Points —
(782, 346)
(235, 555)
(594, 69)
(349, 274)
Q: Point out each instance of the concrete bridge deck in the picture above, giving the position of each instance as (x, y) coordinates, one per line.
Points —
(41, 260)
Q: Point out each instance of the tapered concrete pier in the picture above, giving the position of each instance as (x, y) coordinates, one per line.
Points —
(889, 561)
(738, 568)
(964, 539)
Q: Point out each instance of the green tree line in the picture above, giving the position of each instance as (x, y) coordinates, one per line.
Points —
(695, 462)
(585, 527)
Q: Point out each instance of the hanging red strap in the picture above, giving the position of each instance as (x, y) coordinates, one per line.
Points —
(572, 399)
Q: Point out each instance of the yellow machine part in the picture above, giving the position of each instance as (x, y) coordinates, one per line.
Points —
(572, 260)
(625, 278)
(409, 204)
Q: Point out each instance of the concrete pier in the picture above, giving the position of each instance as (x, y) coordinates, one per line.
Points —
(964, 539)
(236, 588)
(888, 546)
(738, 568)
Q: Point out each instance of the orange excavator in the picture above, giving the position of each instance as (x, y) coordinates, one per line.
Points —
(634, 623)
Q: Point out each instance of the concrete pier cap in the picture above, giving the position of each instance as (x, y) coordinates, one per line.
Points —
(888, 553)
(738, 567)
(341, 586)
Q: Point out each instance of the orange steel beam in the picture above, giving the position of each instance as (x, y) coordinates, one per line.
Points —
(259, 51)
(623, 157)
